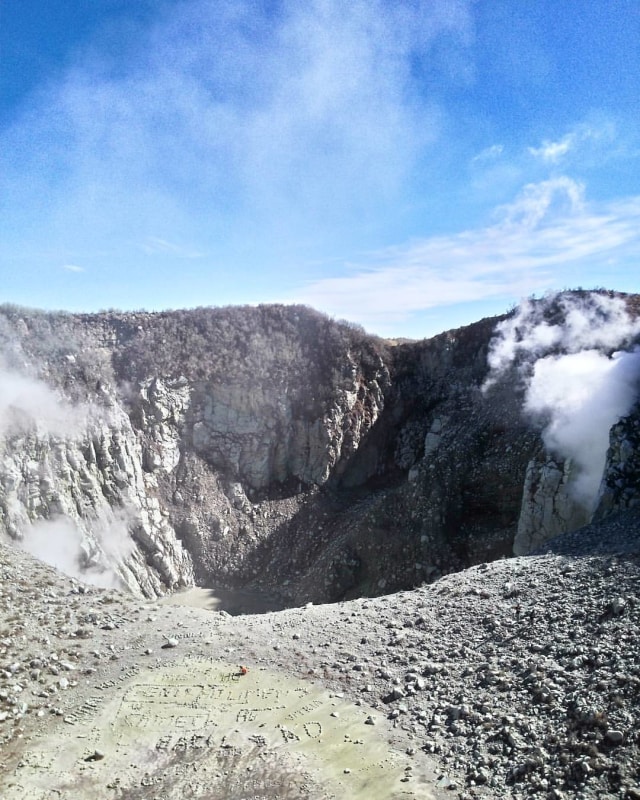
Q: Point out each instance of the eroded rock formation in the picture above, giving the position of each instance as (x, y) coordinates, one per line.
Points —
(273, 447)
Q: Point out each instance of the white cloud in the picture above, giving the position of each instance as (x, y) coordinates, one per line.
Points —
(547, 201)
(72, 268)
(154, 245)
(552, 152)
(582, 136)
(489, 153)
(231, 121)
(534, 244)
(267, 140)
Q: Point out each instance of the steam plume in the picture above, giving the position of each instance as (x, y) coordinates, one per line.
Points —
(581, 371)
(26, 403)
(88, 549)
(61, 543)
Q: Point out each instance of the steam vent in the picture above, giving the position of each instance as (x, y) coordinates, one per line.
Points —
(252, 552)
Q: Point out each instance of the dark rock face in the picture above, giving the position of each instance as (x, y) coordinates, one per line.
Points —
(437, 484)
(621, 480)
(267, 446)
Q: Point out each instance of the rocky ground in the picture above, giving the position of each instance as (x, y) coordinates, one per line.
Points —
(518, 678)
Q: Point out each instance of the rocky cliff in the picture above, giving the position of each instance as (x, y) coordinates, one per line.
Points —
(276, 448)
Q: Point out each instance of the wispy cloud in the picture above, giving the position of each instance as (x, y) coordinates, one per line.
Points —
(489, 153)
(276, 137)
(233, 122)
(156, 246)
(534, 244)
(72, 268)
(585, 134)
(550, 200)
(552, 152)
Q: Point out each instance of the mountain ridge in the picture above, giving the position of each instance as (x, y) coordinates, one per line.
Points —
(275, 448)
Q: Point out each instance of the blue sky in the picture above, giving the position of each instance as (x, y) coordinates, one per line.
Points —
(411, 166)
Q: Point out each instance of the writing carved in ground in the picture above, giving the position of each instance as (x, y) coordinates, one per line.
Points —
(244, 732)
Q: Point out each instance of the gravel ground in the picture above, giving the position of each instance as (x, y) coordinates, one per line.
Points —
(519, 678)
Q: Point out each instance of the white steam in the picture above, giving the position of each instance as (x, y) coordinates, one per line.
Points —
(88, 550)
(593, 321)
(57, 542)
(27, 403)
(579, 380)
(582, 395)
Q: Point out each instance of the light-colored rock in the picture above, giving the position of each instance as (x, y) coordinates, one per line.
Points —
(548, 506)
(620, 486)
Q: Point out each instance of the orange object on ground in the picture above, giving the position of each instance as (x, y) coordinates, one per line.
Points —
(244, 670)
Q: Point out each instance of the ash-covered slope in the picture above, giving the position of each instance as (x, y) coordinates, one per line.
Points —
(513, 679)
(275, 448)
